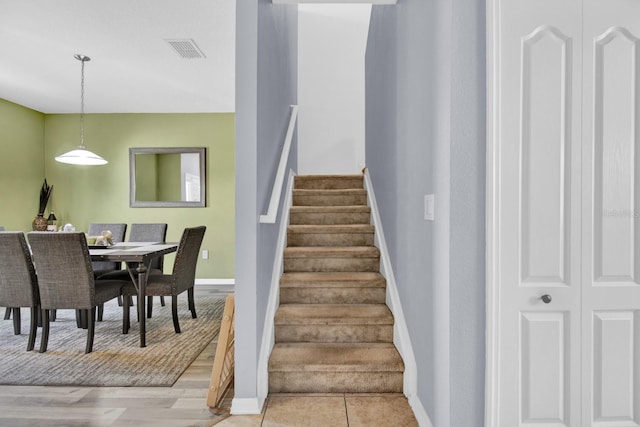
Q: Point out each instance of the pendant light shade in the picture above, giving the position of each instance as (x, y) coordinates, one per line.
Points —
(81, 156)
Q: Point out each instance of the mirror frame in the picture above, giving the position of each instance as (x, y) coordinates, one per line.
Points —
(201, 151)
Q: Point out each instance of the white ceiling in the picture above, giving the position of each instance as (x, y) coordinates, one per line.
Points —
(132, 67)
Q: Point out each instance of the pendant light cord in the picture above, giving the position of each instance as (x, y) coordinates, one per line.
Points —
(82, 60)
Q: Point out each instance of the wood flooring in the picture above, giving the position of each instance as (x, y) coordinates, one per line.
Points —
(182, 405)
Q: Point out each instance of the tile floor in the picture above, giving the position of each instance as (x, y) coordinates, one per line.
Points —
(329, 410)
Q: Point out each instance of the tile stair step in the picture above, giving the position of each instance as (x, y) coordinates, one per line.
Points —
(328, 181)
(333, 323)
(332, 288)
(335, 368)
(330, 235)
(333, 314)
(336, 382)
(332, 258)
(340, 197)
(335, 357)
(332, 252)
(327, 215)
(332, 280)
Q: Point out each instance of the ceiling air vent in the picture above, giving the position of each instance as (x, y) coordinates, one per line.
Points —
(186, 48)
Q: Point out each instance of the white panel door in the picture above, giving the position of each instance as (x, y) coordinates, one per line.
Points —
(566, 132)
(539, 212)
(611, 214)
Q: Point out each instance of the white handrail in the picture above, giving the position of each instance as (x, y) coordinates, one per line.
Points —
(272, 213)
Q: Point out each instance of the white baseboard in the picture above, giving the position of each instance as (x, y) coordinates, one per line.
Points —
(245, 406)
(268, 334)
(401, 338)
(215, 282)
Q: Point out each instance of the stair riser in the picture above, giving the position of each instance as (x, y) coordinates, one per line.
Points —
(334, 333)
(334, 239)
(329, 218)
(328, 184)
(331, 264)
(332, 295)
(335, 382)
(329, 200)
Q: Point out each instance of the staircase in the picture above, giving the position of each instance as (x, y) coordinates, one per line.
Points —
(333, 330)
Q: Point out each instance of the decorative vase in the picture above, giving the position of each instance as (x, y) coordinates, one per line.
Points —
(40, 223)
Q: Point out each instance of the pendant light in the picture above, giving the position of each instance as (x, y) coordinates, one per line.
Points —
(81, 156)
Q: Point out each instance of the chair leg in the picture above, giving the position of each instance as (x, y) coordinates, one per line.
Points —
(126, 323)
(100, 312)
(149, 306)
(162, 301)
(16, 320)
(192, 303)
(174, 313)
(91, 327)
(81, 318)
(44, 339)
(7, 313)
(120, 301)
(53, 314)
(33, 328)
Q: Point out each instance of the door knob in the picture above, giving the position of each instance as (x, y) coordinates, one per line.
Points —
(546, 298)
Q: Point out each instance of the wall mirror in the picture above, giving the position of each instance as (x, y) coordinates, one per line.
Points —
(167, 177)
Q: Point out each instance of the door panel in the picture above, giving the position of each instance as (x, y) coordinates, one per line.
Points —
(545, 375)
(611, 198)
(539, 205)
(546, 156)
(615, 367)
(616, 158)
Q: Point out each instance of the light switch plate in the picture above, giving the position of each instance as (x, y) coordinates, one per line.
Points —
(429, 207)
(205, 254)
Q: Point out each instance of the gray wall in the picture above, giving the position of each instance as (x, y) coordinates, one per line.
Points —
(266, 82)
(425, 134)
(467, 247)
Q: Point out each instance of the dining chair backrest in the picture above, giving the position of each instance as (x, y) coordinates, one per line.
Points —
(149, 233)
(184, 267)
(118, 231)
(63, 266)
(18, 281)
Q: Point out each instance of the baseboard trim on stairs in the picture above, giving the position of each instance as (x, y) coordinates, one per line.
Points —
(268, 333)
(246, 406)
(401, 338)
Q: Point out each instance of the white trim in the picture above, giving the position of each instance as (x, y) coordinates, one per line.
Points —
(492, 373)
(268, 335)
(245, 406)
(215, 282)
(335, 1)
(272, 213)
(401, 338)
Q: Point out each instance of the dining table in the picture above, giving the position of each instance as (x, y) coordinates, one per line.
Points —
(137, 257)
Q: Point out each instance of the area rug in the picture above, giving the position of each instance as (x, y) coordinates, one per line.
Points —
(117, 360)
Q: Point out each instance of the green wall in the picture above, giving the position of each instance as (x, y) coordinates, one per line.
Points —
(29, 141)
(21, 164)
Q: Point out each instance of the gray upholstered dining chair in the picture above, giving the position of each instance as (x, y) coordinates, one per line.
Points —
(147, 232)
(66, 279)
(181, 279)
(18, 281)
(118, 232)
